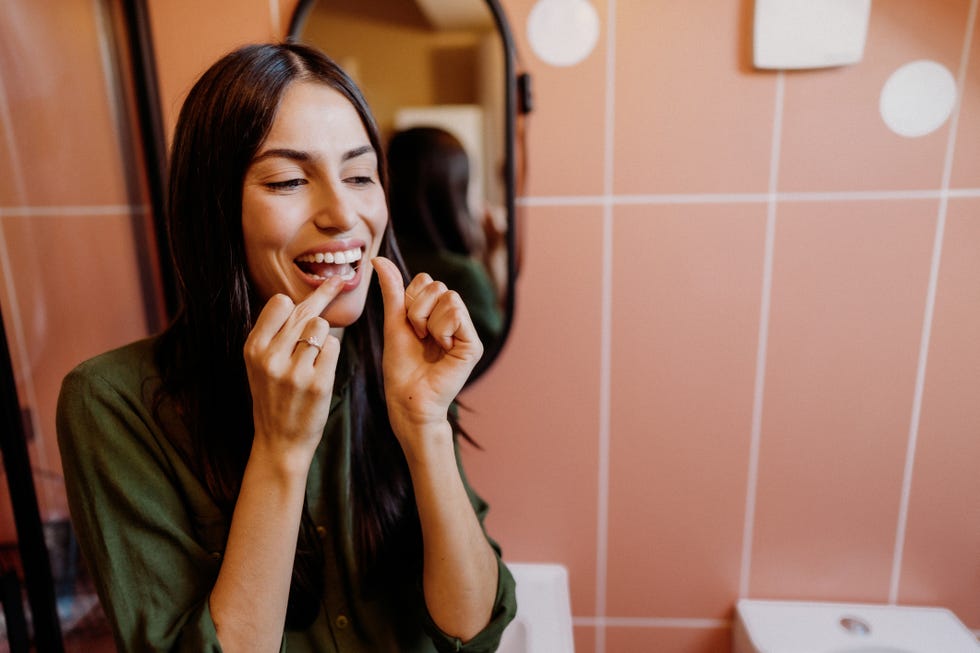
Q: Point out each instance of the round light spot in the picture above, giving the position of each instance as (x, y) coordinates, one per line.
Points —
(563, 32)
(918, 98)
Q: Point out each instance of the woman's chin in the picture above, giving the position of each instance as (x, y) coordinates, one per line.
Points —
(344, 311)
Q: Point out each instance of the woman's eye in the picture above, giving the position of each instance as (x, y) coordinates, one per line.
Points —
(359, 180)
(288, 184)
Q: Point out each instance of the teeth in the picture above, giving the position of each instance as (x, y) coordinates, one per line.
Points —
(346, 256)
(343, 261)
(346, 275)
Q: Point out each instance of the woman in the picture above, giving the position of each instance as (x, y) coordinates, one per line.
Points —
(278, 469)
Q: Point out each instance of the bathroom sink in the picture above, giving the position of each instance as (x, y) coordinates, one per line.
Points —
(823, 627)
(876, 649)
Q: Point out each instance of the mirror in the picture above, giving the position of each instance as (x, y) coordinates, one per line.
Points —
(438, 71)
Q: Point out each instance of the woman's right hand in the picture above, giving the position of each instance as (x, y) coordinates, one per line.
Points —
(291, 380)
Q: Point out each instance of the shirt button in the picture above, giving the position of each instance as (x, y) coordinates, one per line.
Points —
(342, 621)
(321, 531)
(216, 555)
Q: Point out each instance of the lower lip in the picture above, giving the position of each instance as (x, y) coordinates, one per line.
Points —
(352, 284)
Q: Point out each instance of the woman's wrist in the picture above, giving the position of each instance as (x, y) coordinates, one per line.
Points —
(274, 461)
(425, 444)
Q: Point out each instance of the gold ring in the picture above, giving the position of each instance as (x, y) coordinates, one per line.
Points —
(312, 342)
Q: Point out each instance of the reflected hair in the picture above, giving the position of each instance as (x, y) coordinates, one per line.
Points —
(429, 174)
(224, 120)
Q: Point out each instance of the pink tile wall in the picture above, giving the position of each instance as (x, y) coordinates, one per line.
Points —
(188, 38)
(945, 498)
(849, 288)
(541, 438)
(717, 478)
(856, 149)
(626, 639)
(54, 82)
(69, 284)
(677, 130)
(567, 121)
(966, 167)
(685, 330)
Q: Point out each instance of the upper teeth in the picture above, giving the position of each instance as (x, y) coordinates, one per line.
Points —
(346, 256)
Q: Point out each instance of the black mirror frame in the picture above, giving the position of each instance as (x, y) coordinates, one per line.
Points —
(296, 23)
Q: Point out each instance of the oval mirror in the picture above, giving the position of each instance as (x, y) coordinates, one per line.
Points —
(439, 77)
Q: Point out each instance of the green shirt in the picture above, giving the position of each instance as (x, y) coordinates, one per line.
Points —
(153, 537)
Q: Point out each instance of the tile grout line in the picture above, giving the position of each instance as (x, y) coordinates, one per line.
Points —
(929, 312)
(748, 529)
(744, 198)
(653, 622)
(72, 211)
(605, 345)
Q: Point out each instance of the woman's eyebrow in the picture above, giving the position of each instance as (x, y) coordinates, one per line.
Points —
(302, 156)
(356, 152)
(284, 153)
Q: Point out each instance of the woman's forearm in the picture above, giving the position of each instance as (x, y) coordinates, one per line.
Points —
(248, 601)
(459, 576)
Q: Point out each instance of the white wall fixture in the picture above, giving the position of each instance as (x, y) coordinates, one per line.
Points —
(918, 98)
(544, 611)
(793, 34)
(465, 122)
(563, 32)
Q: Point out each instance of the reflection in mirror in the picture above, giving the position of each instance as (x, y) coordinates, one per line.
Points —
(439, 65)
(436, 229)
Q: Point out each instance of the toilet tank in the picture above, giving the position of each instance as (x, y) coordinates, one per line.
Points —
(543, 623)
(822, 627)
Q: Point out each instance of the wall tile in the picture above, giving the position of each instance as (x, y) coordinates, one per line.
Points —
(65, 147)
(668, 640)
(677, 131)
(941, 562)
(12, 180)
(187, 40)
(966, 164)
(536, 411)
(834, 138)
(686, 304)
(85, 300)
(584, 639)
(564, 133)
(848, 296)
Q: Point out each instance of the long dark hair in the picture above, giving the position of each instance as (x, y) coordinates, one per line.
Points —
(224, 120)
(429, 178)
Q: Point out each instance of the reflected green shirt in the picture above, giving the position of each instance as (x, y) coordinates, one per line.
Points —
(153, 538)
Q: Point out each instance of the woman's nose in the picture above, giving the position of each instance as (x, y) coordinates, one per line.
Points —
(333, 210)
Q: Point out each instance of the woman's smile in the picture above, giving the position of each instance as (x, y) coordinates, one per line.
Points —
(323, 264)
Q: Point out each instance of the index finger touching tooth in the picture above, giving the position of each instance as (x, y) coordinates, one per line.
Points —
(325, 293)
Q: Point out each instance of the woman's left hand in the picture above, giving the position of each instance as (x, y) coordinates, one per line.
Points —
(430, 348)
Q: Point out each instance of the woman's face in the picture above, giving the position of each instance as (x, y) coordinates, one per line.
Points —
(312, 203)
